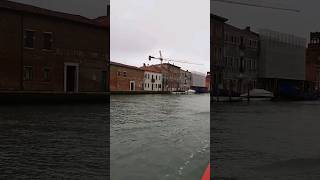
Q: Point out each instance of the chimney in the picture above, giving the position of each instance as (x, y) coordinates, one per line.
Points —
(248, 28)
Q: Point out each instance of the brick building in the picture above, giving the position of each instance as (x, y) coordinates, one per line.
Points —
(208, 81)
(126, 78)
(313, 61)
(241, 55)
(171, 76)
(185, 80)
(44, 50)
(216, 50)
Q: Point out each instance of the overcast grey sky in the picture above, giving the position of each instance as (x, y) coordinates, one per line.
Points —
(180, 28)
(87, 8)
(289, 22)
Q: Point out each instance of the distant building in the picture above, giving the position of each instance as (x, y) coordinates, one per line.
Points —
(217, 24)
(241, 55)
(313, 61)
(171, 76)
(198, 82)
(185, 80)
(282, 60)
(208, 81)
(152, 79)
(126, 78)
(44, 50)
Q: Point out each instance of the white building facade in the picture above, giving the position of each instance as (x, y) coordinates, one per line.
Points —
(152, 81)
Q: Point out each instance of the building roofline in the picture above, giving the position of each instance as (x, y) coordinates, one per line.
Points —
(148, 70)
(232, 27)
(30, 9)
(220, 18)
(151, 69)
(166, 64)
(245, 30)
(125, 65)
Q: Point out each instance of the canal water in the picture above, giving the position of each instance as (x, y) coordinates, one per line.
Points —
(159, 137)
(266, 140)
(54, 142)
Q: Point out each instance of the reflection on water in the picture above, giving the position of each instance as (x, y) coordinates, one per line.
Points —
(266, 140)
(159, 136)
(53, 142)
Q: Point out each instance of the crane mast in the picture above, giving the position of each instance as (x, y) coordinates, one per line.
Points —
(170, 60)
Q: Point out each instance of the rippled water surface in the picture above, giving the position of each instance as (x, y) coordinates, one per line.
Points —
(53, 142)
(159, 136)
(266, 140)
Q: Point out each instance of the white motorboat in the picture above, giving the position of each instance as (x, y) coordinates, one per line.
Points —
(190, 91)
(258, 95)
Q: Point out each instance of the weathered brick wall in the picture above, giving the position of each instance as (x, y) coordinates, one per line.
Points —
(121, 83)
(10, 51)
(73, 42)
(171, 77)
(312, 62)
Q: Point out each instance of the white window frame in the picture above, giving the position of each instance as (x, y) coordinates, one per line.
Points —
(134, 85)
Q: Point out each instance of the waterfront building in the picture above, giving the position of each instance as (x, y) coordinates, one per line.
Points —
(198, 82)
(44, 50)
(126, 78)
(185, 80)
(241, 55)
(216, 50)
(208, 81)
(152, 79)
(171, 76)
(282, 61)
(313, 61)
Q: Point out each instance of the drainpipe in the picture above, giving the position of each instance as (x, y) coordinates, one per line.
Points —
(21, 52)
(249, 90)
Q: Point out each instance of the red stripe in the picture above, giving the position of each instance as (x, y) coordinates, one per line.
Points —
(206, 175)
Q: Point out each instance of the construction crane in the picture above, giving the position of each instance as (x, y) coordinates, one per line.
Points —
(168, 79)
(257, 5)
(170, 60)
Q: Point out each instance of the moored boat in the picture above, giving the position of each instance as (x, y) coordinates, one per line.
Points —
(258, 95)
(190, 91)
